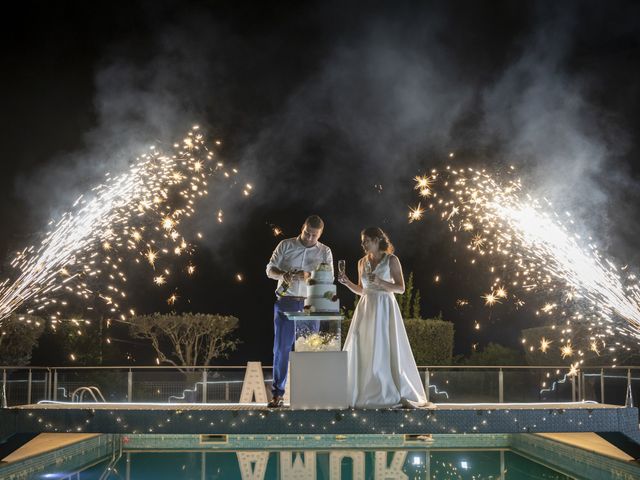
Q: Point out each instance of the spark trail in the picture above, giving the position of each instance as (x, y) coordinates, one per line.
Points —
(132, 218)
(531, 248)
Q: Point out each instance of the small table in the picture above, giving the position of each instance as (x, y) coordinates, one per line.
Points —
(318, 372)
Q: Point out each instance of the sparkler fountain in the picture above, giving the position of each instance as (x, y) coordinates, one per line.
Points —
(137, 213)
(530, 249)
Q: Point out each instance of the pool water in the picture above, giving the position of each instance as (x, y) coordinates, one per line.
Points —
(321, 457)
(325, 465)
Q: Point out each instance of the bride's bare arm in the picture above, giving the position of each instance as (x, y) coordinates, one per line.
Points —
(357, 289)
(397, 286)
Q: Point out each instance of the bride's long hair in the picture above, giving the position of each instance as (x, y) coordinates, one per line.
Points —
(385, 244)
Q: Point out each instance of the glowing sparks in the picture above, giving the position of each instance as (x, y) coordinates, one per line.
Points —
(415, 213)
(500, 292)
(548, 307)
(490, 299)
(129, 221)
(151, 255)
(423, 185)
(529, 248)
(172, 299)
(167, 223)
(573, 371)
(423, 181)
(425, 192)
(567, 350)
(544, 345)
(477, 241)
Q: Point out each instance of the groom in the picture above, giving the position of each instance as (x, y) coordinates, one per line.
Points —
(291, 263)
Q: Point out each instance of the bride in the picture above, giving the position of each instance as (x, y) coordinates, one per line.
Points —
(382, 370)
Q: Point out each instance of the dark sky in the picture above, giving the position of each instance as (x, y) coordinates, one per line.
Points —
(317, 105)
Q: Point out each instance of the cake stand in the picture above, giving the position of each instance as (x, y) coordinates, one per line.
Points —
(318, 371)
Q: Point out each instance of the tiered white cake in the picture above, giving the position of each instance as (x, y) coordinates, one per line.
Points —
(321, 291)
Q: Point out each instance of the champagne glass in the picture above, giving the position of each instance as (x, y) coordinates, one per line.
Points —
(341, 270)
(368, 271)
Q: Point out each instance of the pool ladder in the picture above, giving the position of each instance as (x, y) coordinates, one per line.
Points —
(93, 391)
(116, 455)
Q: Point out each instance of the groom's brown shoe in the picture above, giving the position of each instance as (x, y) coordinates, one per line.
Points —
(276, 402)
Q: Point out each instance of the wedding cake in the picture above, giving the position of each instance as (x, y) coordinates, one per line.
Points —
(321, 291)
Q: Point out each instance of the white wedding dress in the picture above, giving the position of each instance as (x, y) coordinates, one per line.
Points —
(381, 369)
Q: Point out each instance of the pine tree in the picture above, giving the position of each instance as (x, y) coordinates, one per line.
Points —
(404, 300)
(416, 305)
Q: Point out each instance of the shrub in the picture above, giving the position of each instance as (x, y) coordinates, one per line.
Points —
(495, 354)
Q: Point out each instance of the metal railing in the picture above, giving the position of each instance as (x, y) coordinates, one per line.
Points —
(223, 384)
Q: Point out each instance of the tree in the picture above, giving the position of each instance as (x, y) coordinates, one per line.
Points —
(409, 301)
(416, 305)
(188, 339)
(81, 341)
(19, 334)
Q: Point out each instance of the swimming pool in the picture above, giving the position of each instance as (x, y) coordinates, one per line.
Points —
(270, 457)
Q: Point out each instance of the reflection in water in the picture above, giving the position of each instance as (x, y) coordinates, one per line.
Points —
(321, 464)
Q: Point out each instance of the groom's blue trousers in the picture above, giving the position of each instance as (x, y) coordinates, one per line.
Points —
(283, 340)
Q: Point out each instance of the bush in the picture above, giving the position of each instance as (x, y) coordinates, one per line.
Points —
(431, 339)
(495, 354)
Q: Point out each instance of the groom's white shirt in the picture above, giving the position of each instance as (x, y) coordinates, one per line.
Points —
(291, 254)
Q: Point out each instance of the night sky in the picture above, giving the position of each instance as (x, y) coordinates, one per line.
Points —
(329, 108)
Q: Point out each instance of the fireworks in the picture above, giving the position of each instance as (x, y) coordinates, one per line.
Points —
(133, 216)
(528, 248)
(462, 302)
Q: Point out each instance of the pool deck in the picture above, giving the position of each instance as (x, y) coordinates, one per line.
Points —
(590, 442)
(46, 442)
(618, 425)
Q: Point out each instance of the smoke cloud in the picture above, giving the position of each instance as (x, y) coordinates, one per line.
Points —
(342, 121)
